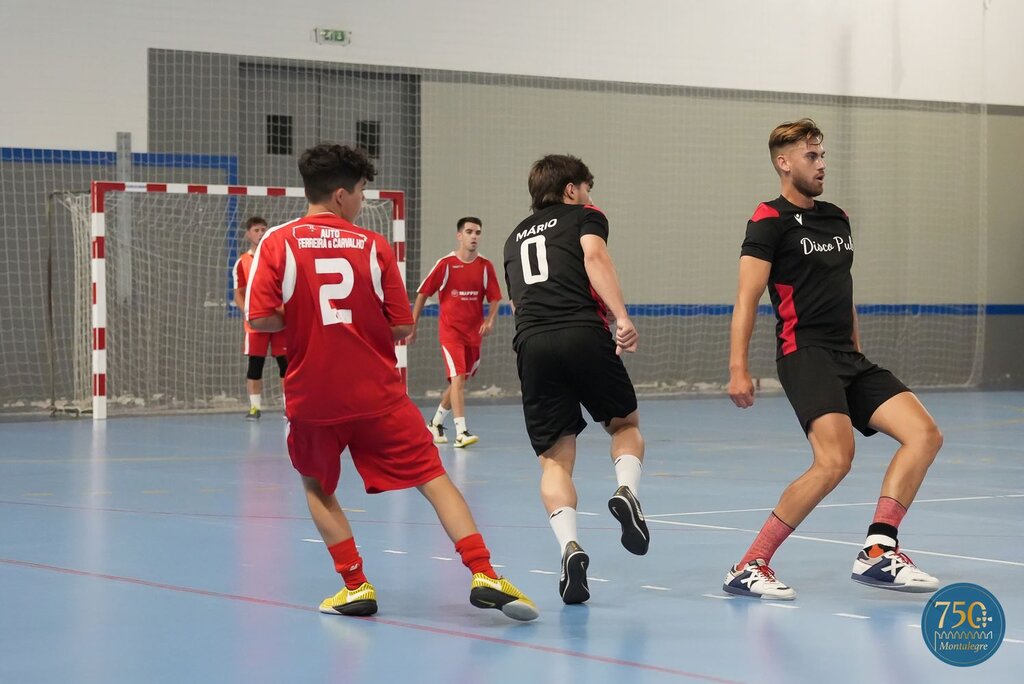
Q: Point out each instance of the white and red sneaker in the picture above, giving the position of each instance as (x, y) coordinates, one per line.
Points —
(756, 579)
(889, 568)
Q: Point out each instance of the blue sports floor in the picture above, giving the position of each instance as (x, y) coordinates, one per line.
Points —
(179, 549)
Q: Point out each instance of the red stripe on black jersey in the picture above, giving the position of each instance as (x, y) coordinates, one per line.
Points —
(763, 211)
(787, 312)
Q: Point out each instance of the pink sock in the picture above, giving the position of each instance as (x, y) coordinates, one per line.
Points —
(889, 511)
(768, 540)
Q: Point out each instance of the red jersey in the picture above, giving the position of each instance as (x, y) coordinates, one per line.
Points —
(461, 289)
(240, 274)
(342, 292)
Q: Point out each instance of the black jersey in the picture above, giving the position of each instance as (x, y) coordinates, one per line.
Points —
(544, 271)
(811, 251)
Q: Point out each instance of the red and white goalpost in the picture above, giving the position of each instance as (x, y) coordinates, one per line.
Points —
(180, 235)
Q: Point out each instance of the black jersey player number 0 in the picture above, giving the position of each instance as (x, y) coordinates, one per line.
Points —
(541, 274)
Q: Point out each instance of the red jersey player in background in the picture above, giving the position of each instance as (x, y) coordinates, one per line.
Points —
(336, 290)
(255, 344)
(462, 280)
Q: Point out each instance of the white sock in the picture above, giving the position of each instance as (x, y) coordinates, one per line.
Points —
(563, 523)
(254, 402)
(880, 539)
(441, 414)
(460, 425)
(627, 472)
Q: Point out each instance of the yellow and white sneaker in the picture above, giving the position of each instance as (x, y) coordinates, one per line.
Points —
(359, 601)
(464, 439)
(500, 594)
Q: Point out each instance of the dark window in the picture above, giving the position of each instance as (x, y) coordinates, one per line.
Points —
(279, 134)
(368, 137)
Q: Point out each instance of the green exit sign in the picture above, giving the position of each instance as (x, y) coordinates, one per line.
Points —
(326, 36)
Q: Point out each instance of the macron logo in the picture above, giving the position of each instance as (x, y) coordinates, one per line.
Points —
(799, 218)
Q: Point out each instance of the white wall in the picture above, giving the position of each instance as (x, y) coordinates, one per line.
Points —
(75, 71)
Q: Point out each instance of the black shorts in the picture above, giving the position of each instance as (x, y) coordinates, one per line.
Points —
(819, 381)
(561, 369)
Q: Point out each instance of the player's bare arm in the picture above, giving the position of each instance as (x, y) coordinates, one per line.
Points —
(753, 280)
(492, 316)
(271, 323)
(417, 309)
(240, 298)
(856, 329)
(601, 271)
(401, 332)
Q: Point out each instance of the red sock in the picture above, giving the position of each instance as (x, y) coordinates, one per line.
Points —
(475, 555)
(889, 511)
(348, 562)
(768, 540)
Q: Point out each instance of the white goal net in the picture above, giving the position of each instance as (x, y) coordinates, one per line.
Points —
(164, 333)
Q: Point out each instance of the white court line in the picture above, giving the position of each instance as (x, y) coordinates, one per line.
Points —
(836, 505)
(543, 572)
(597, 579)
(585, 513)
(441, 558)
(400, 553)
(776, 604)
(314, 541)
(843, 543)
(853, 615)
(716, 596)
(654, 587)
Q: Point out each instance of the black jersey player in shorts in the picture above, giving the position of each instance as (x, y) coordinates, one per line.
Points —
(801, 249)
(563, 285)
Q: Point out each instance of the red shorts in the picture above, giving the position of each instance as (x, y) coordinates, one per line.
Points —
(256, 343)
(460, 359)
(392, 451)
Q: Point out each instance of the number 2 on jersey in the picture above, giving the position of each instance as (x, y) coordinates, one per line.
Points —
(529, 276)
(335, 291)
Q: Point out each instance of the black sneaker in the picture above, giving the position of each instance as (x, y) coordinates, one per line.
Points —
(626, 509)
(254, 414)
(572, 583)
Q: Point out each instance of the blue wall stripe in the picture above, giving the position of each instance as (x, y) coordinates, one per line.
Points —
(694, 310)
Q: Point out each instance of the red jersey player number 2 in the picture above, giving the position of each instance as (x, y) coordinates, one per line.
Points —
(324, 268)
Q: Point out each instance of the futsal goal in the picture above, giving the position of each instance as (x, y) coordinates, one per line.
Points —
(164, 333)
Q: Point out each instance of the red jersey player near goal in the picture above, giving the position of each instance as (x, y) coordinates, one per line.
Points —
(255, 344)
(336, 290)
(462, 280)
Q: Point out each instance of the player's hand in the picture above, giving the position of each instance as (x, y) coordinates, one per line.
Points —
(412, 337)
(626, 336)
(741, 389)
(486, 327)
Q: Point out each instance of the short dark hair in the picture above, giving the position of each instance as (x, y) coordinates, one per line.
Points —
(467, 219)
(550, 175)
(326, 167)
(255, 221)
